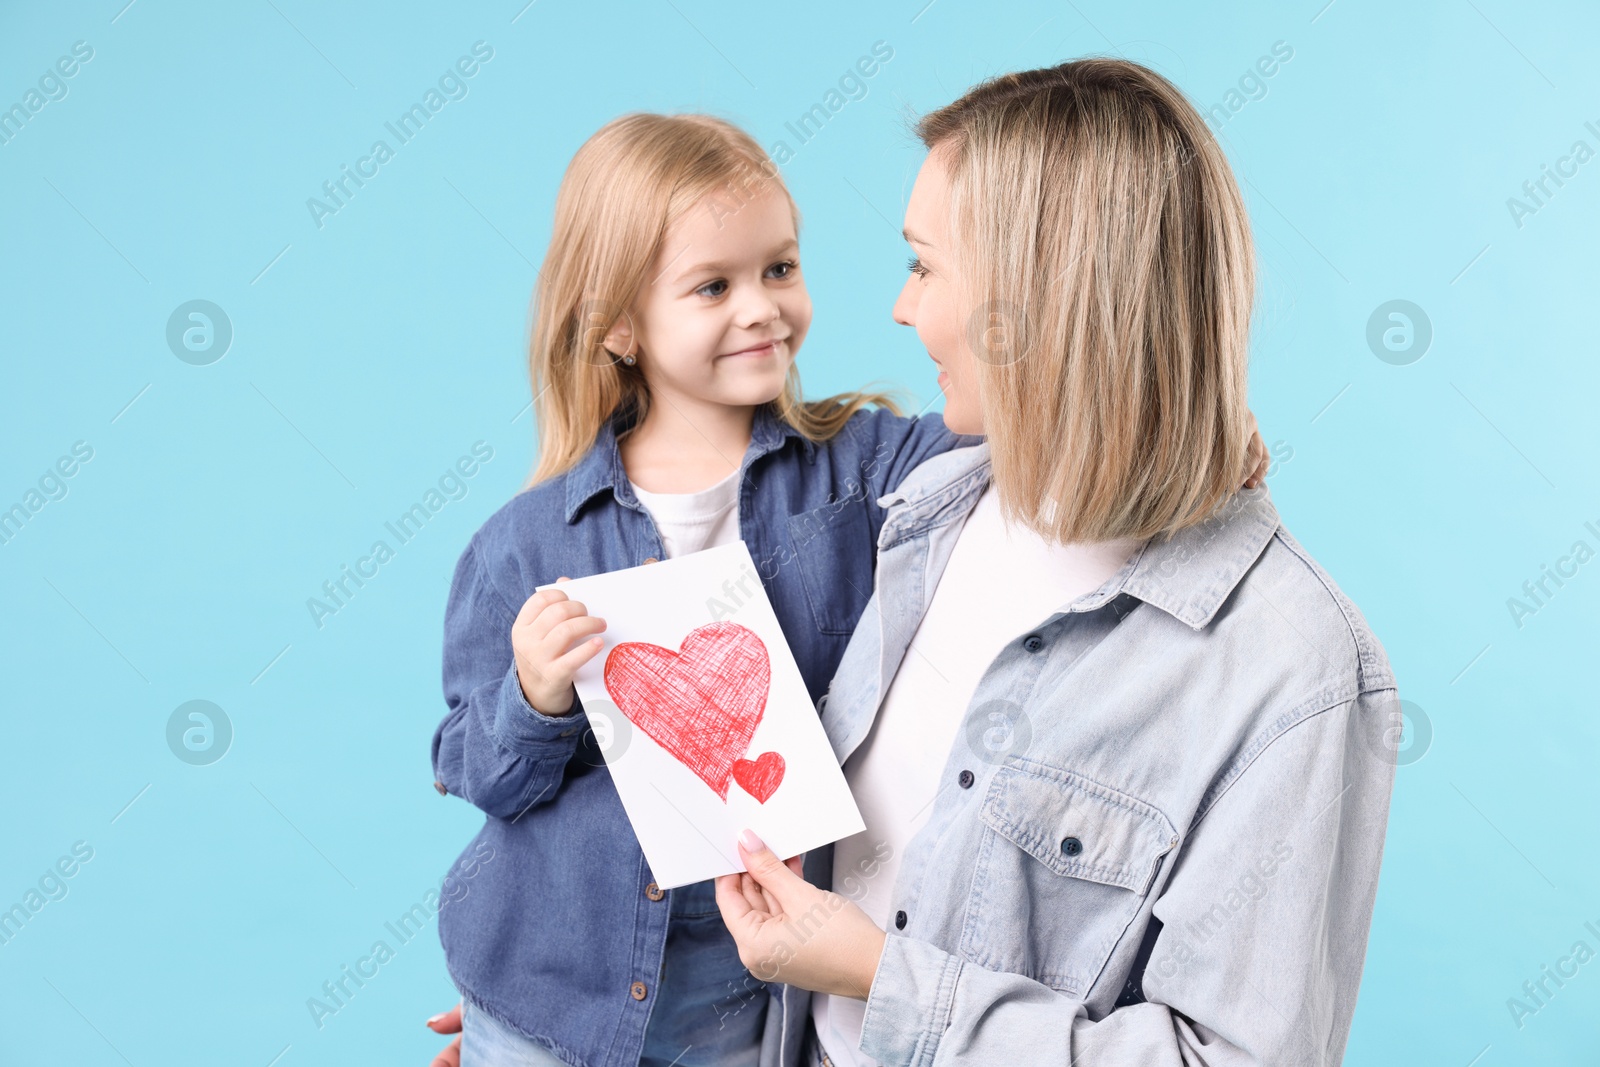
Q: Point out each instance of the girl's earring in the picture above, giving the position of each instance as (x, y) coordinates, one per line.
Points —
(629, 359)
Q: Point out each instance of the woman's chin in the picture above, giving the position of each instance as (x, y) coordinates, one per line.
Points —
(958, 420)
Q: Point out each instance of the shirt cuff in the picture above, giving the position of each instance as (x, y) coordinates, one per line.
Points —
(909, 1008)
(529, 732)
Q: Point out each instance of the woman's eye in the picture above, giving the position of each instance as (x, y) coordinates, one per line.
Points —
(719, 285)
(914, 265)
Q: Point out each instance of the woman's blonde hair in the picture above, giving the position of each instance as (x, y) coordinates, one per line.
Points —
(624, 188)
(1105, 251)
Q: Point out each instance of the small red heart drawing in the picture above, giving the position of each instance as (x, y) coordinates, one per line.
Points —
(761, 776)
(701, 703)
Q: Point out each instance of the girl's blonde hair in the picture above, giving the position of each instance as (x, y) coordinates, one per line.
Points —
(1105, 251)
(629, 182)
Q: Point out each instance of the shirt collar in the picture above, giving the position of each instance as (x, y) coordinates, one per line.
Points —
(601, 467)
(1192, 573)
(1189, 574)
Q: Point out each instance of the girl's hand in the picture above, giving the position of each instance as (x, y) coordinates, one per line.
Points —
(1257, 460)
(790, 931)
(448, 1023)
(541, 637)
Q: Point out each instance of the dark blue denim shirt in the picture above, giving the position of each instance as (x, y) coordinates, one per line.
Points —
(561, 934)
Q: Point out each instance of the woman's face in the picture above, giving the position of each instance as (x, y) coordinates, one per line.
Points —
(928, 300)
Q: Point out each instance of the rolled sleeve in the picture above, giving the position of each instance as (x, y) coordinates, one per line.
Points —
(527, 731)
(493, 748)
(912, 995)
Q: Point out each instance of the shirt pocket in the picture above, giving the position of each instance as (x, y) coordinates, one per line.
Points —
(833, 551)
(1064, 864)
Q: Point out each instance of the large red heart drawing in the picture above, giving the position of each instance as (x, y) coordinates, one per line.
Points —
(701, 703)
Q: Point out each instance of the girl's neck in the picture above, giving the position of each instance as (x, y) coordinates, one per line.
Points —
(685, 447)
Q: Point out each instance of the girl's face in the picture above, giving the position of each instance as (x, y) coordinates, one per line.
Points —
(928, 301)
(724, 309)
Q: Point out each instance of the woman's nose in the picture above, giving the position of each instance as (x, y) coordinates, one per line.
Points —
(905, 304)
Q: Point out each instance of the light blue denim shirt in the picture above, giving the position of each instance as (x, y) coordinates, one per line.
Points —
(1167, 848)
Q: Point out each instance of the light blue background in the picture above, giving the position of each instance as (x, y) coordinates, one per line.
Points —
(371, 353)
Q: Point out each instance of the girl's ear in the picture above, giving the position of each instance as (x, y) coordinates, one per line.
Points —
(619, 339)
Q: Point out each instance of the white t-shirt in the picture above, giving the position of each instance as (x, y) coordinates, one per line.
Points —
(690, 522)
(1000, 581)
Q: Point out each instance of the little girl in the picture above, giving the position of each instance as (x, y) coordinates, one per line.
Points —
(669, 311)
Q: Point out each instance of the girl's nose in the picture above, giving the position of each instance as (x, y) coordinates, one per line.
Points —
(757, 308)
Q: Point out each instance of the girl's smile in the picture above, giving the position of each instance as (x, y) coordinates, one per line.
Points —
(763, 350)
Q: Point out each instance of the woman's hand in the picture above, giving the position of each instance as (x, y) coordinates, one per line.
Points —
(448, 1023)
(541, 637)
(790, 931)
(1257, 459)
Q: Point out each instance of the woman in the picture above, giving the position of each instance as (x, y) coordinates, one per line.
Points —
(1110, 727)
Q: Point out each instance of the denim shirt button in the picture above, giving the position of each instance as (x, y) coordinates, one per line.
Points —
(899, 920)
(650, 559)
(1033, 642)
(654, 892)
(965, 779)
(1072, 846)
(638, 991)
(440, 787)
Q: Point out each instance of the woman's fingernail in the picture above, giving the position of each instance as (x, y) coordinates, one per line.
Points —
(435, 1019)
(751, 842)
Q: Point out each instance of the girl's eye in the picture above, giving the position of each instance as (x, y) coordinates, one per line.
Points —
(914, 265)
(781, 271)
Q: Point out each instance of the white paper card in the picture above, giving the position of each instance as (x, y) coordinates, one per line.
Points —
(703, 718)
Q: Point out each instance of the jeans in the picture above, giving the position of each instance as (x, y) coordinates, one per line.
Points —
(705, 1015)
(811, 1054)
(486, 1042)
